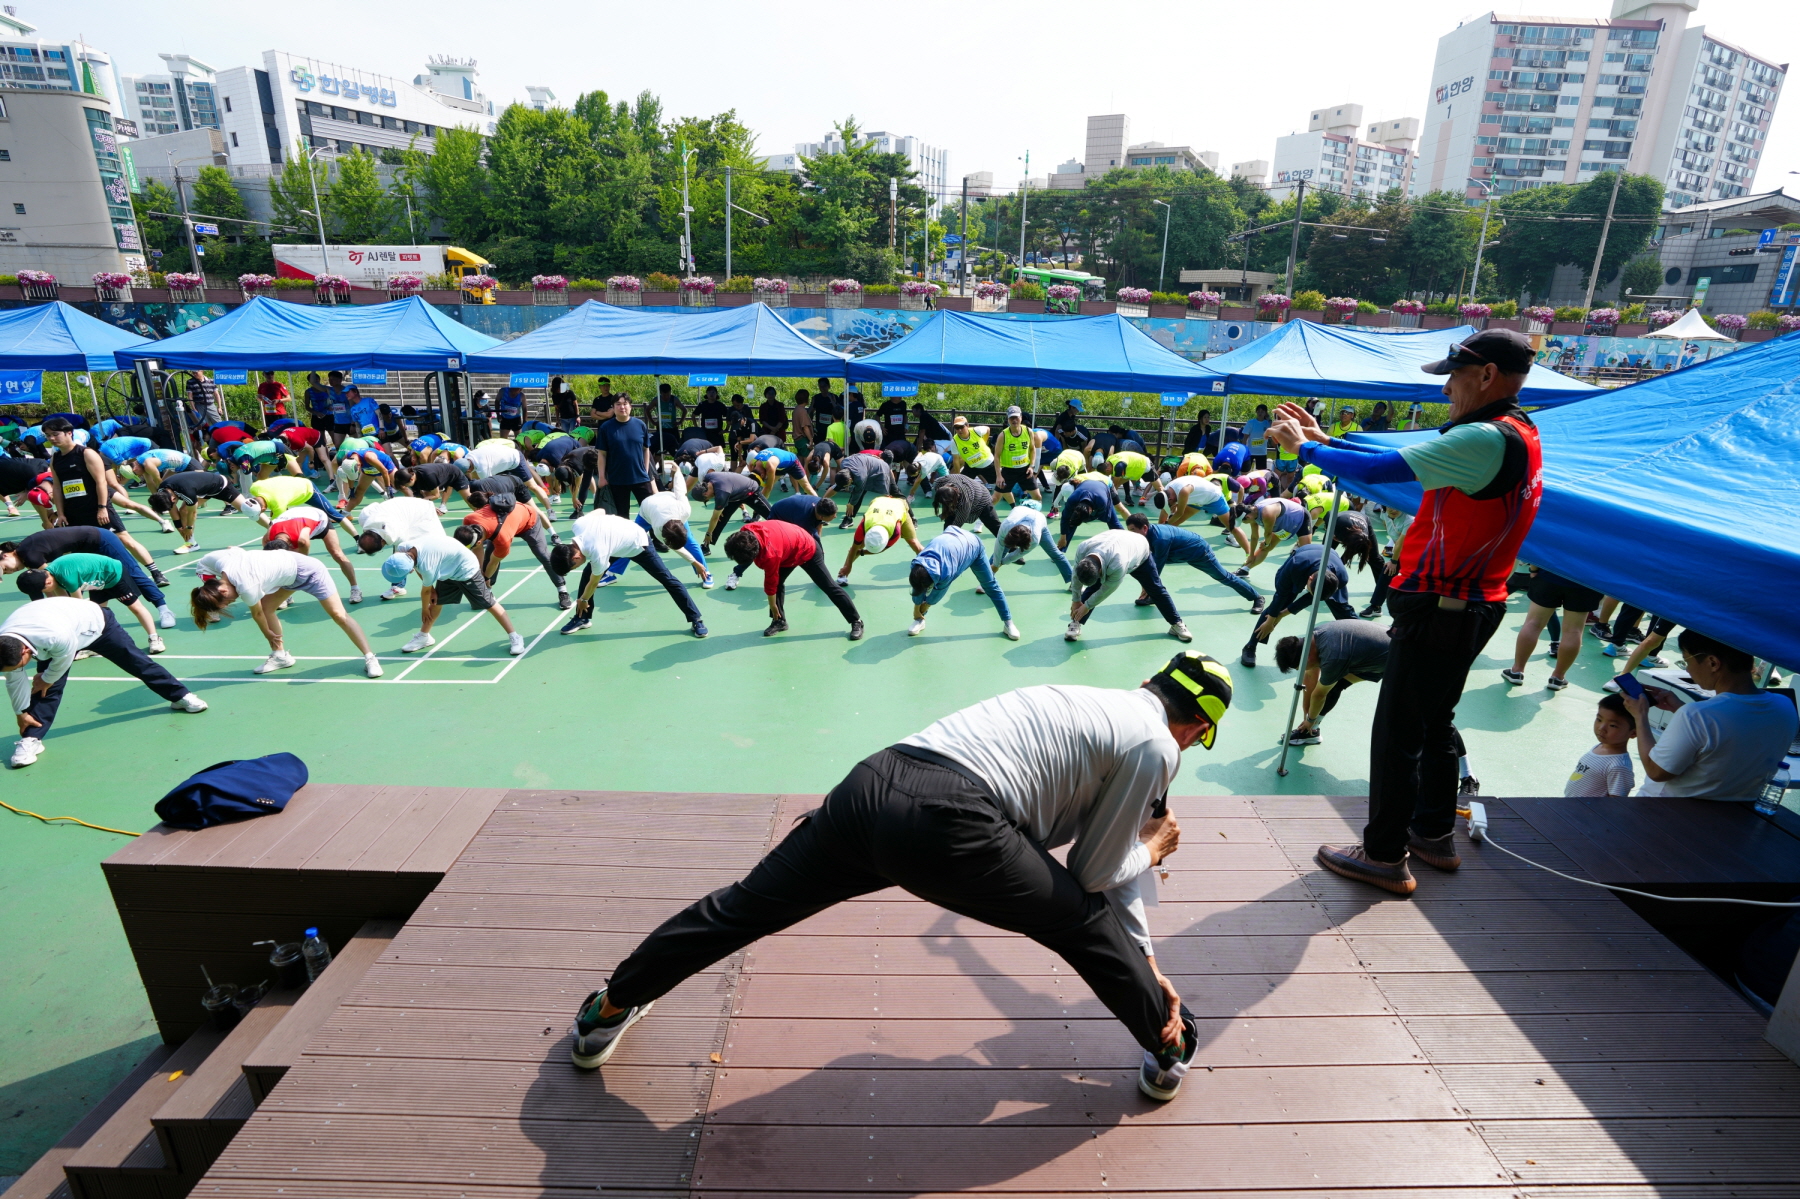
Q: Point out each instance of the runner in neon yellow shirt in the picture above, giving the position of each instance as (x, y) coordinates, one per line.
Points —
(887, 520)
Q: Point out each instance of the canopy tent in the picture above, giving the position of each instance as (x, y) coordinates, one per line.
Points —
(58, 337)
(270, 334)
(1087, 353)
(600, 339)
(1677, 494)
(1691, 327)
(1306, 358)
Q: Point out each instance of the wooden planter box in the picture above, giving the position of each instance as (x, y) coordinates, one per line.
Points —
(290, 295)
(1758, 334)
(77, 295)
(956, 303)
(733, 299)
(1306, 314)
(662, 299)
(220, 295)
(1633, 330)
(1432, 321)
(1169, 311)
(1374, 320)
(1233, 312)
(806, 299)
(1566, 327)
(439, 297)
(518, 298)
(1504, 322)
(1018, 305)
(1109, 307)
(869, 301)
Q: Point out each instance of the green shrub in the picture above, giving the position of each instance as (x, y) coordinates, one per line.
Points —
(1505, 308)
(1310, 301)
(1027, 291)
(881, 289)
(1632, 314)
(587, 285)
(1169, 297)
(307, 284)
(1790, 227)
(657, 281)
(736, 283)
(1366, 306)
(1442, 308)
(1764, 320)
(1571, 313)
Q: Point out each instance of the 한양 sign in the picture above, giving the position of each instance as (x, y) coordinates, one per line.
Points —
(21, 387)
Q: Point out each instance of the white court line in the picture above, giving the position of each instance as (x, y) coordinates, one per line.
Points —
(325, 658)
(531, 645)
(473, 617)
(269, 678)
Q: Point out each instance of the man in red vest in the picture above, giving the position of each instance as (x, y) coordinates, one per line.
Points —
(1483, 480)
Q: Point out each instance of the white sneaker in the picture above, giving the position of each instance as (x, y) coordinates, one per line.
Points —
(372, 666)
(706, 584)
(26, 751)
(156, 645)
(515, 644)
(188, 703)
(1011, 631)
(420, 641)
(186, 547)
(166, 527)
(165, 617)
(1073, 632)
(442, 510)
(279, 660)
(356, 595)
(1179, 631)
(918, 626)
(395, 592)
(606, 581)
(732, 581)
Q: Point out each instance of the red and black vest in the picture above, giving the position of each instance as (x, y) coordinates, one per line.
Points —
(1463, 545)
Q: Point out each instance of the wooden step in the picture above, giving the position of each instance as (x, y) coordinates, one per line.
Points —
(268, 1062)
(122, 1158)
(45, 1179)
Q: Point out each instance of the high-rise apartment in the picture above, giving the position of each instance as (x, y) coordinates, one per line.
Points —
(187, 97)
(1519, 102)
(931, 164)
(1338, 153)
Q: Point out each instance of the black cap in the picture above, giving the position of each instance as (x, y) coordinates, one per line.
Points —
(1509, 351)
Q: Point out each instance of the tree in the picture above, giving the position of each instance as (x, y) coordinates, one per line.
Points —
(1560, 225)
(291, 196)
(358, 209)
(1439, 244)
(237, 248)
(1642, 276)
(455, 180)
(1349, 262)
(160, 233)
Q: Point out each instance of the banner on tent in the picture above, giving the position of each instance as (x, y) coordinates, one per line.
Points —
(896, 390)
(1175, 399)
(373, 376)
(529, 379)
(224, 378)
(21, 387)
(711, 379)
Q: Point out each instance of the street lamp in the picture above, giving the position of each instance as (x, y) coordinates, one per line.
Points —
(187, 222)
(1162, 267)
(760, 220)
(1487, 207)
(317, 208)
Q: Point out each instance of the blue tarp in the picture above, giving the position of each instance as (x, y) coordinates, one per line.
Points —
(57, 337)
(1305, 358)
(600, 339)
(1678, 494)
(265, 334)
(1083, 353)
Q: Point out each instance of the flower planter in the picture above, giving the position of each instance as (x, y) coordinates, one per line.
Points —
(696, 299)
(1404, 320)
(1758, 334)
(113, 295)
(1201, 314)
(181, 295)
(1307, 314)
(1433, 321)
(1632, 330)
(623, 297)
(1503, 322)
(807, 299)
(661, 299)
(363, 295)
(556, 297)
(994, 304)
(268, 293)
(865, 300)
(1535, 326)
(774, 299)
(1376, 320)
(402, 293)
(734, 299)
(1478, 322)
(1018, 305)
(516, 298)
(1169, 311)
(441, 296)
(846, 299)
(295, 295)
(1563, 328)
(41, 291)
(956, 303)
(76, 295)
(1098, 307)
(913, 303)
(1229, 312)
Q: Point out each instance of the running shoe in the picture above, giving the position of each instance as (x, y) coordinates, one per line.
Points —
(596, 1039)
(607, 580)
(1161, 1074)
(1354, 862)
(26, 752)
(1550, 650)
(395, 592)
(1468, 785)
(188, 703)
(1309, 737)
(856, 630)
(1370, 612)
(1434, 851)
(165, 617)
(1142, 601)
(1073, 632)
(706, 583)
(279, 660)
(563, 601)
(1242, 572)
(700, 629)
(732, 580)
(157, 645)
(1610, 685)
(157, 576)
(1556, 682)
(371, 666)
(356, 595)
(1179, 631)
(1514, 677)
(1610, 650)
(442, 510)
(775, 626)
(576, 623)
(845, 523)
(419, 641)
(166, 527)
(1010, 631)
(1660, 662)
(917, 627)
(515, 644)
(1248, 657)
(1257, 605)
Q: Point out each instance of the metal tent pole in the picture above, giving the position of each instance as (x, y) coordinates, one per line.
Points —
(93, 395)
(1312, 619)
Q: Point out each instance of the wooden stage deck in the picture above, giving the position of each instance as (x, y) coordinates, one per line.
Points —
(1503, 1032)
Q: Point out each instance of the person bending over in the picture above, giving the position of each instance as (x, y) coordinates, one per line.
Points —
(265, 580)
(1101, 564)
(296, 530)
(937, 566)
(888, 520)
(808, 512)
(1093, 499)
(611, 540)
(450, 573)
(961, 500)
(97, 577)
(182, 495)
(1171, 544)
(779, 548)
(728, 492)
(1024, 527)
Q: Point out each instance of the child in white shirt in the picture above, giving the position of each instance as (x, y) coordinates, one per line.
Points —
(1606, 768)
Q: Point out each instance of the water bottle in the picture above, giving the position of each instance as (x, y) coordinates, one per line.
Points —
(1773, 791)
(316, 953)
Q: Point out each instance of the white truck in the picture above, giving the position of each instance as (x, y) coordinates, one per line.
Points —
(372, 266)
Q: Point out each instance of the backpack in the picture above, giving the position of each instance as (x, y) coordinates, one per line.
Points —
(228, 791)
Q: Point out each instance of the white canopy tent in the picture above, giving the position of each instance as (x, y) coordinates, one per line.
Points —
(1690, 328)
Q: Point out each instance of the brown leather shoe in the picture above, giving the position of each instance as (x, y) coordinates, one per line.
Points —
(1354, 862)
(1434, 851)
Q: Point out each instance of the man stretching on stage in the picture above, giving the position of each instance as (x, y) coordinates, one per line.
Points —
(960, 817)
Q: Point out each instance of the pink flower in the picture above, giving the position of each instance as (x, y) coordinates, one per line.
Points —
(182, 281)
(1663, 316)
(913, 287)
(1788, 322)
(843, 287)
(1205, 299)
(1540, 313)
(112, 279)
(1273, 300)
(1475, 310)
(989, 290)
(775, 287)
(1062, 291)
(549, 283)
(1731, 320)
(479, 282)
(1134, 295)
(1407, 307)
(625, 283)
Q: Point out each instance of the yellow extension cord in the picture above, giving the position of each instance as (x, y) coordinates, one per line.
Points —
(71, 819)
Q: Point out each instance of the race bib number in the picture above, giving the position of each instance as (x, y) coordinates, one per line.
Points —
(340, 410)
(711, 423)
(74, 488)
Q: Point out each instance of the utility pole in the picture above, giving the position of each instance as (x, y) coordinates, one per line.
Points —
(687, 210)
(1605, 228)
(1024, 206)
(1481, 245)
(893, 213)
(318, 210)
(1163, 267)
(962, 257)
(728, 224)
(187, 222)
(1294, 245)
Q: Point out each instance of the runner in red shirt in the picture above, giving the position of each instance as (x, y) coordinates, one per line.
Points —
(307, 443)
(779, 548)
(274, 396)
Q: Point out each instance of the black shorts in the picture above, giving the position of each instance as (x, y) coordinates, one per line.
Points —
(986, 473)
(1553, 591)
(475, 590)
(511, 424)
(1020, 476)
(1661, 627)
(324, 422)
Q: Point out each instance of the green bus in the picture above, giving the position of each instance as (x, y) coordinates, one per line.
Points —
(1093, 287)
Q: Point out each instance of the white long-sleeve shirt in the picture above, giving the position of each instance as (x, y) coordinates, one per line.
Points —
(1120, 551)
(401, 519)
(56, 627)
(1077, 766)
(670, 503)
(1025, 514)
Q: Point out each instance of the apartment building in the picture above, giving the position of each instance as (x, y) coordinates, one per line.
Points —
(1520, 102)
(1339, 153)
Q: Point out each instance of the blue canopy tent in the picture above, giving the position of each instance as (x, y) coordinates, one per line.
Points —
(601, 339)
(1677, 495)
(59, 337)
(1086, 353)
(270, 334)
(1305, 358)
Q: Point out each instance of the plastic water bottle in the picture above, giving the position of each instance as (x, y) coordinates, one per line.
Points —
(316, 953)
(1773, 791)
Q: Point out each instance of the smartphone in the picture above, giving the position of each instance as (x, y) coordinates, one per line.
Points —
(1629, 686)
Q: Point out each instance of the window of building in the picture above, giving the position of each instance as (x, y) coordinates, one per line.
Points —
(227, 103)
(1720, 275)
(19, 209)
(234, 141)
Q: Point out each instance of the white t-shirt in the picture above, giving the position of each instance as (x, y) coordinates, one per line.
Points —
(603, 537)
(664, 506)
(1600, 774)
(1026, 515)
(441, 557)
(494, 456)
(930, 464)
(1725, 747)
(711, 460)
(255, 573)
(1199, 492)
(402, 519)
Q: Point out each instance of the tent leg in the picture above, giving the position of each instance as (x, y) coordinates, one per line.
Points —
(95, 396)
(1224, 420)
(1312, 619)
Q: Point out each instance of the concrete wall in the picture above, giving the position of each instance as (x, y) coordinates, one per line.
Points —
(51, 172)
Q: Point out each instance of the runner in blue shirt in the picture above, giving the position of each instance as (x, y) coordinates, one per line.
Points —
(1092, 500)
(509, 404)
(936, 567)
(1171, 543)
(156, 462)
(769, 463)
(369, 464)
(119, 450)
